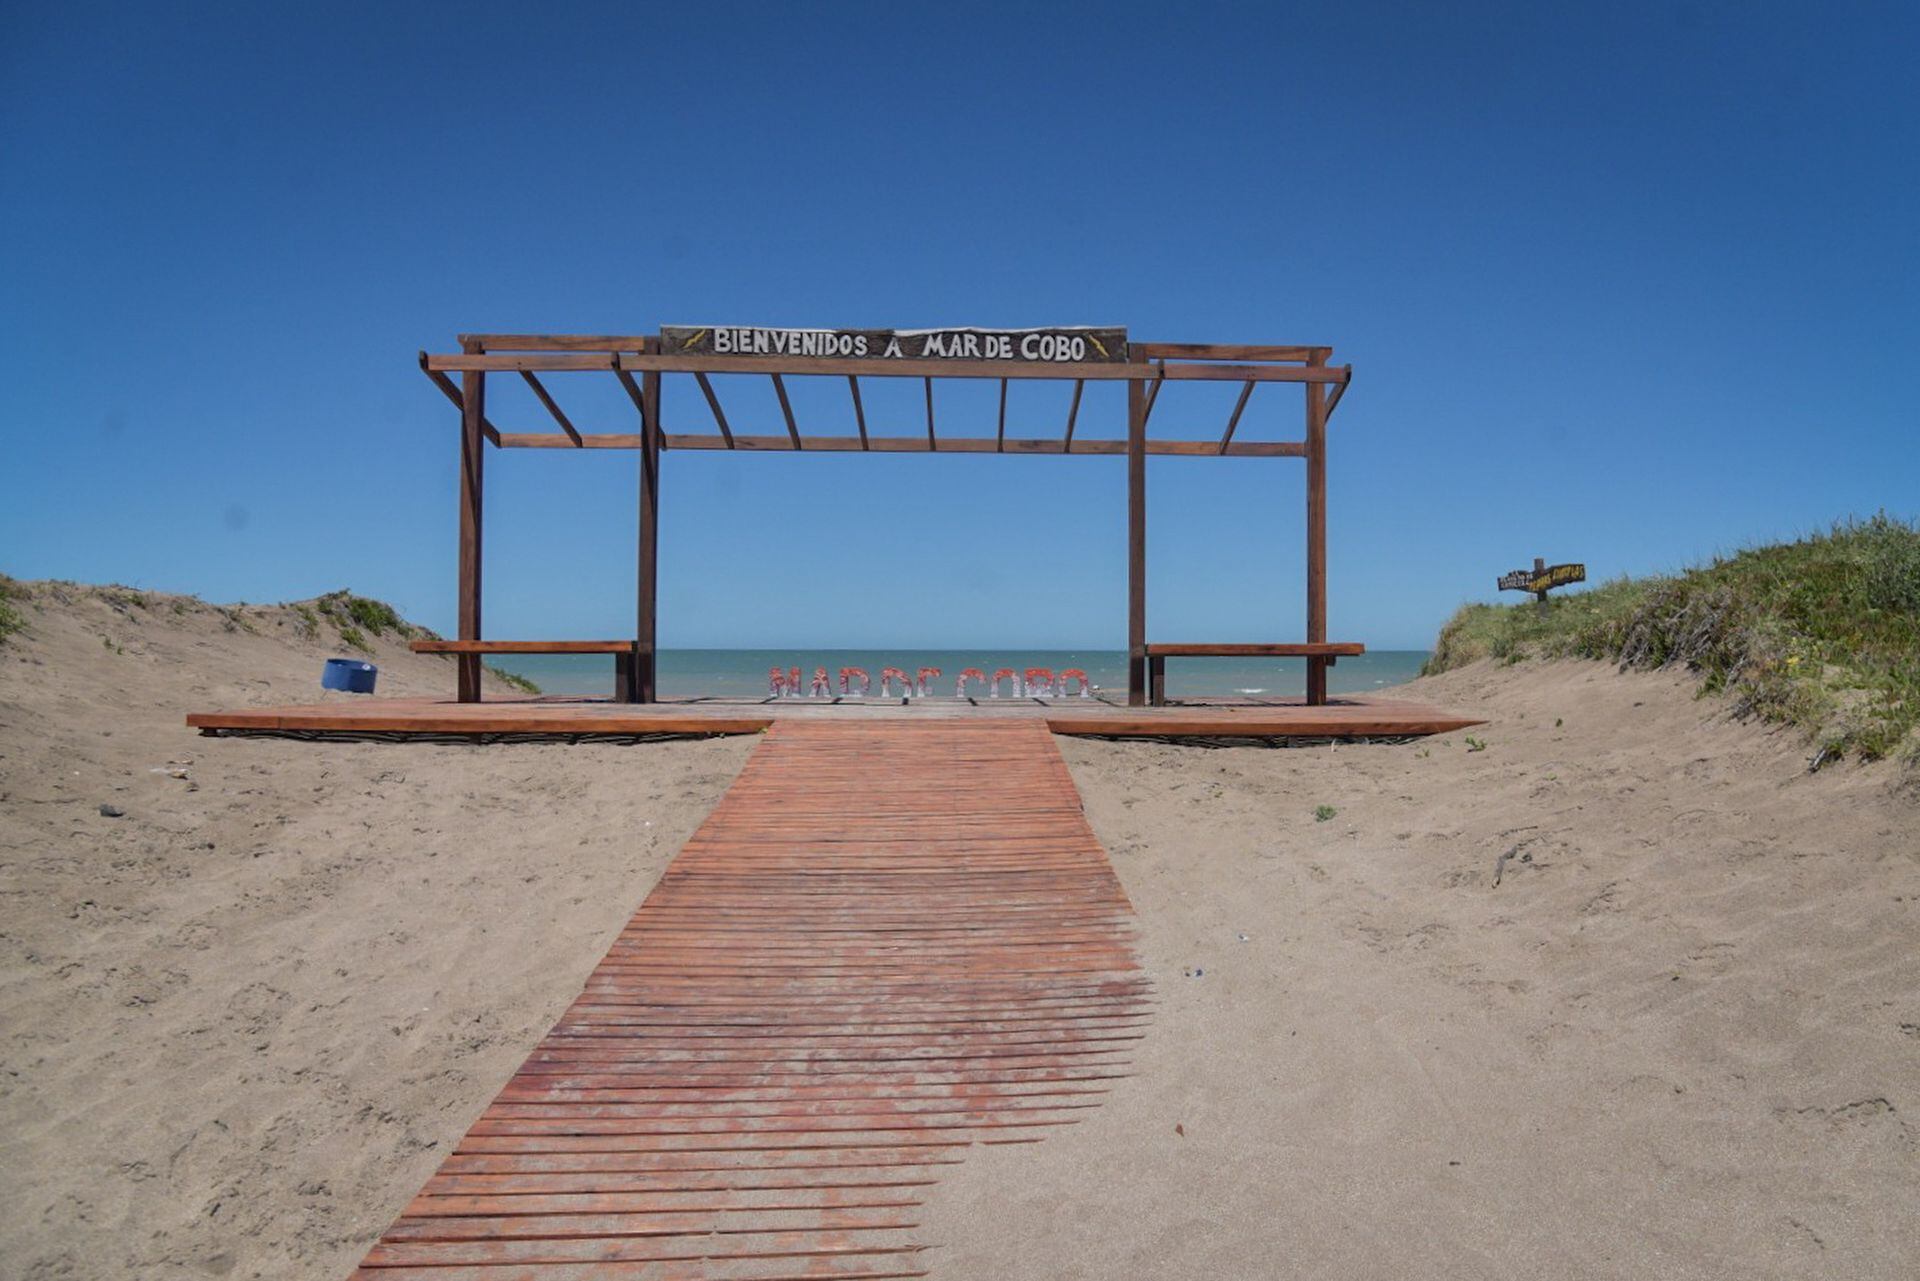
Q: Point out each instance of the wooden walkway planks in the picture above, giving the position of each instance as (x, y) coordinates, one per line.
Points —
(1368, 716)
(891, 941)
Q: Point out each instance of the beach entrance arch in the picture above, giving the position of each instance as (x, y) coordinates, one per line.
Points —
(1077, 355)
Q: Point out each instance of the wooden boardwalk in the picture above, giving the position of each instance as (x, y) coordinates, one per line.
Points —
(1354, 716)
(891, 942)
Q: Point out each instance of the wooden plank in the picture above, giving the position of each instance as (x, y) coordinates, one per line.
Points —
(592, 440)
(540, 390)
(473, 460)
(840, 367)
(520, 646)
(1239, 407)
(796, 895)
(558, 342)
(1344, 716)
(1321, 649)
(452, 393)
(786, 411)
(713, 403)
(1136, 543)
(1220, 351)
(859, 410)
(948, 445)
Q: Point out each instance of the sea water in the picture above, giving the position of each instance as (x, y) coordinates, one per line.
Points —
(742, 673)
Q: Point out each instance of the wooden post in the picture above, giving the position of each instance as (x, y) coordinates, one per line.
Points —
(1136, 543)
(1539, 597)
(1316, 534)
(644, 687)
(473, 460)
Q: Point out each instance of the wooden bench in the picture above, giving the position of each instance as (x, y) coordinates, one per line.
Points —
(1320, 655)
(626, 656)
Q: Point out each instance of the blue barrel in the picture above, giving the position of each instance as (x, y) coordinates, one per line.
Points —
(349, 674)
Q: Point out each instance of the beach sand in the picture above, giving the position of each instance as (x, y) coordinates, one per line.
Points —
(1681, 1038)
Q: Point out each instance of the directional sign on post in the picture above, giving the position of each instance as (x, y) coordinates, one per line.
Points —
(1542, 578)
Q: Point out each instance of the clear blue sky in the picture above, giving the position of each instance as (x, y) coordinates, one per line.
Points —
(1630, 286)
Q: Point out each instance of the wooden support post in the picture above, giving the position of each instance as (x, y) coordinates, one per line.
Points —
(1316, 536)
(1157, 680)
(473, 460)
(1539, 597)
(1136, 543)
(644, 689)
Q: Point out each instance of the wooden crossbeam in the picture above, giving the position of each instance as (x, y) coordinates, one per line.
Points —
(917, 445)
(786, 409)
(713, 403)
(633, 394)
(914, 368)
(540, 390)
(1153, 394)
(859, 410)
(1238, 407)
(452, 393)
(1333, 398)
(1073, 414)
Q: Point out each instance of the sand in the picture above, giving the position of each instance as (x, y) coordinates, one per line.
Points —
(243, 1023)
(1681, 1038)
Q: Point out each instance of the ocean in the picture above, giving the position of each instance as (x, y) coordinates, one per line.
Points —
(738, 673)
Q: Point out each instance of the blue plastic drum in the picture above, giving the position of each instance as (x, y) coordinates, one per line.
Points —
(349, 674)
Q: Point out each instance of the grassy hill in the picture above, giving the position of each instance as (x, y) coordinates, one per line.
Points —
(1823, 633)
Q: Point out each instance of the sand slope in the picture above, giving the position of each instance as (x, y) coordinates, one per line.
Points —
(1680, 1039)
(242, 1023)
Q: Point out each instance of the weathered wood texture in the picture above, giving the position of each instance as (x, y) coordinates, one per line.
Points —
(473, 462)
(1355, 716)
(834, 993)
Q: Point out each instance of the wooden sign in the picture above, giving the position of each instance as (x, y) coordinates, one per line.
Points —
(1039, 346)
(1542, 578)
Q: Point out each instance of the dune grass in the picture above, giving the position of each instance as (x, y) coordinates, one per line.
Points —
(1822, 633)
(11, 619)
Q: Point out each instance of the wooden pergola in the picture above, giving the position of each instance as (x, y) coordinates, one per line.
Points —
(641, 363)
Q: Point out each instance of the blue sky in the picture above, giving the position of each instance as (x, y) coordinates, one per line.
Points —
(1629, 285)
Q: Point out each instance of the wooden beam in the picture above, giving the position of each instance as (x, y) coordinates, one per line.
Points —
(1073, 414)
(1316, 538)
(917, 445)
(452, 393)
(556, 342)
(644, 690)
(473, 461)
(859, 410)
(713, 403)
(1339, 390)
(540, 390)
(1239, 406)
(1153, 394)
(932, 444)
(915, 368)
(633, 393)
(1002, 433)
(1136, 543)
(786, 410)
(1219, 351)
(588, 440)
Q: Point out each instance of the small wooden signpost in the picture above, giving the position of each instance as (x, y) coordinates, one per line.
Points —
(1542, 578)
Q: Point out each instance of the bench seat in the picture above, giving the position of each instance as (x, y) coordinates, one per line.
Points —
(1320, 655)
(625, 653)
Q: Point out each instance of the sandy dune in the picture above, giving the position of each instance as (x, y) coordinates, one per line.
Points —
(1680, 1039)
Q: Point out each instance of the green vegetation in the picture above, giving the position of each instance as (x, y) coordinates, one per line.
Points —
(364, 613)
(1823, 633)
(513, 679)
(1321, 813)
(11, 619)
(1476, 744)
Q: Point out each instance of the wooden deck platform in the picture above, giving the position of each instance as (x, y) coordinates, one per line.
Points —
(1368, 716)
(836, 991)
